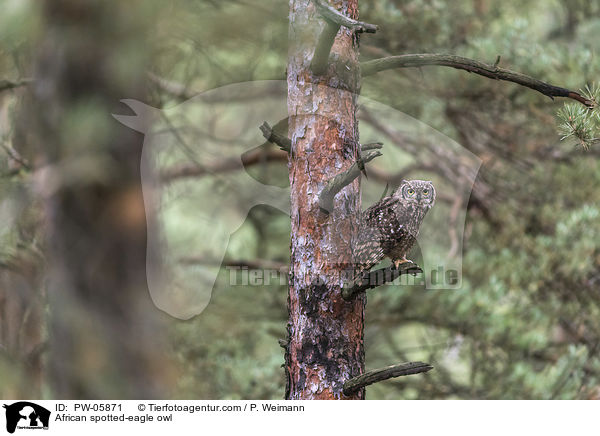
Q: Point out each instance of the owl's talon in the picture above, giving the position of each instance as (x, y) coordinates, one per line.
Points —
(399, 262)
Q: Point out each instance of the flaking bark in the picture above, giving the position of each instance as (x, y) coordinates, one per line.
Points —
(325, 346)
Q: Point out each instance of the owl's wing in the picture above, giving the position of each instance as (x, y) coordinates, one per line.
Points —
(386, 207)
(368, 251)
(380, 229)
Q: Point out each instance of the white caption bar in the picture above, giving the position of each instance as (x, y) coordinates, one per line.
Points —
(23, 417)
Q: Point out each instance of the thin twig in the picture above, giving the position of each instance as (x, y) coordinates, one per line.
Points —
(16, 156)
(253, 157)
(452, 227)
(236, 163)
(176, 89)
(371, 146)
(377, 375)
(10, 84)
(491, 71)
(373, 279)
(337, 183)
(258, 264)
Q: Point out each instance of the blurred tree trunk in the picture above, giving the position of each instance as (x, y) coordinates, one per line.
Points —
(105, 341)
(21, 321)
(325, 345)
(22, 297)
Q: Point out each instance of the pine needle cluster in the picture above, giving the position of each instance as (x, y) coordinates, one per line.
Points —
(579, 122)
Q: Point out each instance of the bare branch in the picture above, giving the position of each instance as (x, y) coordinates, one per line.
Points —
(194, 170)
(373, 279)
(253, 157)
(457, 206)
(183, 92)
(270, 135)
(5, 85)
(177, 90)
(371, 146)
(332, 15)
(263, 264)
(321, 56)
(396, 178)
(472, 66)
(14, 155)
(337, 183)
(377, 375)
(334, 19)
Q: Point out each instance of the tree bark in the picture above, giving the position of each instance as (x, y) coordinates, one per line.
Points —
(325, 345)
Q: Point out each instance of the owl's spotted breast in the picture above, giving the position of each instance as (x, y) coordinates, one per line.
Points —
(390, 227)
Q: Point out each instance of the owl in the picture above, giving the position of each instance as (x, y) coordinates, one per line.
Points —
(390, 227)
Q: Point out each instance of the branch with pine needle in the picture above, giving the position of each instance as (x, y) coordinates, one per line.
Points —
(581, 123)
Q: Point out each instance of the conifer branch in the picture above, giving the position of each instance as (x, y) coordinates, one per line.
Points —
(270, 135)
(323, 48)
(332, 15)
(337, 183)
(472, 66)
(334, 20)
(377, 375)
(379, 277)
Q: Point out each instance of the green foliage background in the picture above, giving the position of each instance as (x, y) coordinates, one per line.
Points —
(526, 324)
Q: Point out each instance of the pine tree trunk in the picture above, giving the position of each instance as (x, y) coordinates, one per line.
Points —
(325, 346)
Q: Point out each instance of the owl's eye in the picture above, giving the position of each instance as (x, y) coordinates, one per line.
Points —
(426, 192)
(411, 191)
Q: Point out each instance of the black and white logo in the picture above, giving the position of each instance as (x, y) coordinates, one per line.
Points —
(26, 415)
